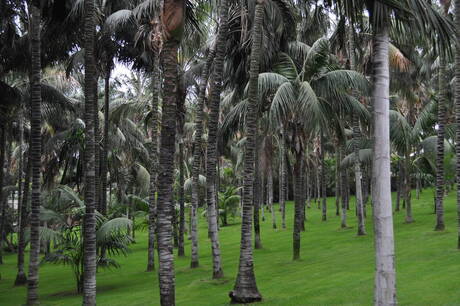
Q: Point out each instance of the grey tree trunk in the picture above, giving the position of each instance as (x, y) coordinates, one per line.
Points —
(153, 153)
(105, 141)
(211, 153)
(282, 177)
(89, 223)
(21, 278)
(2, 175)
(197, 152)
(457, 111)
(35, 155)
(440, 226)
(270, 189)
(245, 289)
(165, 205)
(257, 192)
(323, 181)
(407, 189)
(385, 275)
(298, 216)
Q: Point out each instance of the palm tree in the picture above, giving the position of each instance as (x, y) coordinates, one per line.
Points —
(211, 153)
(35, 153)
(2, 203)
(197, 151)
(89, 225)
(457, 109)
(245, 289)
(173, 19)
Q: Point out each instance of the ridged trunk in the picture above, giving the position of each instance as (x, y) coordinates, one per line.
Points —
(23, 184)
(245, 289)
(356, 138)
(298, 199)
(385, 275)
(89, 223)
(282, 177)
(165, 205)
(343, 192)
(407, 188)
(181, 250)
(2, 175)
(197, 152)
(211, 153)
(270, 188)
(153, 153)
(337, 182)
(105, 141)
(97, 147)
(457, 111)
(35, 155)
(257, 192)
(440, 226)
(323, 195)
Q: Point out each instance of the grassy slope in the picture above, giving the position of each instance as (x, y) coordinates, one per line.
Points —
(336, 266)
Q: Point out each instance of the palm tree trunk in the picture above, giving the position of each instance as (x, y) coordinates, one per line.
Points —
(197, 151)
(97, 147)
(457, 111)
(270, 188)
(323, 181)
(343, 192)
(181, 251)
(440, 226)
(257, 193)
(21, 278)
(89, 225)
(282, 177)
(105, 144)
(165, 207)
(35, 155)
(398, 186)
(213, 124)
(245, 289)
(153, 152)
(2, 175)
(407, 189)
(337, 183)
(385, 276)
(298, 206)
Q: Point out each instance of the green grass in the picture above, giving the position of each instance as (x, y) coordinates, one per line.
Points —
(336, 266)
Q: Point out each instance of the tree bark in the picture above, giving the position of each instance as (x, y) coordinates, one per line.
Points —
(89, 225)
(440, 226)
(153, 153)
(197, 152)
(298, 216)
(211, 153)
(105, 142)
(245, 289)
(270, 187)
(385, 276)
(165, 206)
(257, 192)
(323, 181)
(2, 175)
(457, 111)
(282, 177)
(181, 250)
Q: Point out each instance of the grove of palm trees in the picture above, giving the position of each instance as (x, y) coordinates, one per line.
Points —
(281, 152)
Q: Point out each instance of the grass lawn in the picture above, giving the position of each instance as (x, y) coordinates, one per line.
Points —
(336, 266)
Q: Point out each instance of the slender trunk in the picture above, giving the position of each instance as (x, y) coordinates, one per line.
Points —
(89, 225)
(257, 193)
(385, 275)
(35, 155)
(298, 206)
(245, 289)
(407, 189)
(211, 154)
(399, 185)
(2, 175)
(181, 251)
(97, 147)
(105, 143)
(457, 111)
(197, 152)
(337, 183)
(440, 226)
(323, 182)
(165, 206)
(282, 177)
(302, 194)
(153, 153)
(343, 194)
(21, 278)
(270, 189)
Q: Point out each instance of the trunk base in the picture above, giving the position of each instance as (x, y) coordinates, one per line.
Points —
(245, 296)
(409, 220)
(218, 274)
(21, 279)
(324, 218)
(194, 264)
(440, 227)
(258, 244)
(361, 232)
(150, 268)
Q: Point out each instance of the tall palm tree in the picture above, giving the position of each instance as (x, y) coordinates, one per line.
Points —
(245, 289)
(89, 223)
(35, 152)
(172, 17)
(457, 109)
(197, 151)
(2, 175)
(213, 124)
